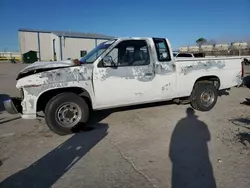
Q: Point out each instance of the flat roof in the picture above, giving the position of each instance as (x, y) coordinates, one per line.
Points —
(69, 34)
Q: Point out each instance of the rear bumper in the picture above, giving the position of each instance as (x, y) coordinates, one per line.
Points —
(13, 105)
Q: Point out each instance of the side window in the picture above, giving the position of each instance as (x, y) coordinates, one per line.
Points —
(130, 53)
(114, 55)
(162, 50)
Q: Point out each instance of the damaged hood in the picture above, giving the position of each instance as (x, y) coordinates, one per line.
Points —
(41, 66)
(49, 64)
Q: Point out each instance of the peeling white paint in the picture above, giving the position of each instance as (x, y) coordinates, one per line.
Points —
(202, 65)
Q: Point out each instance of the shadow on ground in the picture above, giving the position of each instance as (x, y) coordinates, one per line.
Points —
(242, 136)
(246, 102)
(8, 120)
(244, 122)
(191, 166)
(223, 92)
(50, 168)
(97, 116)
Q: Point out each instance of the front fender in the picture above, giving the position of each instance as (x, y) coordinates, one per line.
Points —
(35, 85)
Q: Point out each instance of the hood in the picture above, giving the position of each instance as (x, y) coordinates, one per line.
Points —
(49, 64)
(41, 66)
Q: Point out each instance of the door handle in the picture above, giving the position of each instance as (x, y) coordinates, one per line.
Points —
(148, 74)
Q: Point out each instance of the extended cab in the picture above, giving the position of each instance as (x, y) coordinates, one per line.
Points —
(120, 72)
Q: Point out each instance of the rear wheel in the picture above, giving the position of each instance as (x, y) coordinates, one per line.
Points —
(65, 112)
(204, 96)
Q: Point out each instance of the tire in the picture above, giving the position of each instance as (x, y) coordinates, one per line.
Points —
(204, 96)
(65, 107)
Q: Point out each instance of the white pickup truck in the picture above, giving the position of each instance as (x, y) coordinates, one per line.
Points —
(120, 72)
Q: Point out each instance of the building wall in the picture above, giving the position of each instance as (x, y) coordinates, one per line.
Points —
(71, 47)
(28, 41)
(207, 47)
(183, 49)
(193, 48)
(46, 51)
(57, 46)
(99, 41)
(240, 45)
(222, 47)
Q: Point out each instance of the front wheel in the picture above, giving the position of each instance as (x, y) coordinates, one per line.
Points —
(204, 96)
(65, 112)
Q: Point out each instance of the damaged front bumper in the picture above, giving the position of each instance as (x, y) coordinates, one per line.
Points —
(13, 105)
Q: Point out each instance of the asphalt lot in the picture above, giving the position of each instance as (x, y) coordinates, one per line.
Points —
(154, 145)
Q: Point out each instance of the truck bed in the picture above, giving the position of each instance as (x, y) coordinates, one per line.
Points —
(228, 70)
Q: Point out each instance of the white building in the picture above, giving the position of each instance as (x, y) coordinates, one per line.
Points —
(240, 45)
(183, 49)
(194, 48)
(221, 47)
(207, 48)
(57, 45)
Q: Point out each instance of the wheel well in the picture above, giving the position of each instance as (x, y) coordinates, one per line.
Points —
(211, 79)
(47, 95)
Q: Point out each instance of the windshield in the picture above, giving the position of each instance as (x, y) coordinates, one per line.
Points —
(96, 52)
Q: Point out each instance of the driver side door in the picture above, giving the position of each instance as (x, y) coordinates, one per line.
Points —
(129, 81)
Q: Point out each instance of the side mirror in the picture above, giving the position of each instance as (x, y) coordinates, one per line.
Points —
(108, 62)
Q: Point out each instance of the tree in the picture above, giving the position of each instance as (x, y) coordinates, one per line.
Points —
(201, 41)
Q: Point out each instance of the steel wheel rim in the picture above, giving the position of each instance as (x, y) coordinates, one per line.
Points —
(207, 97)
(69, 114)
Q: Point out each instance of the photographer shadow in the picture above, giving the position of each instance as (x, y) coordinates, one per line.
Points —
(191, 167)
